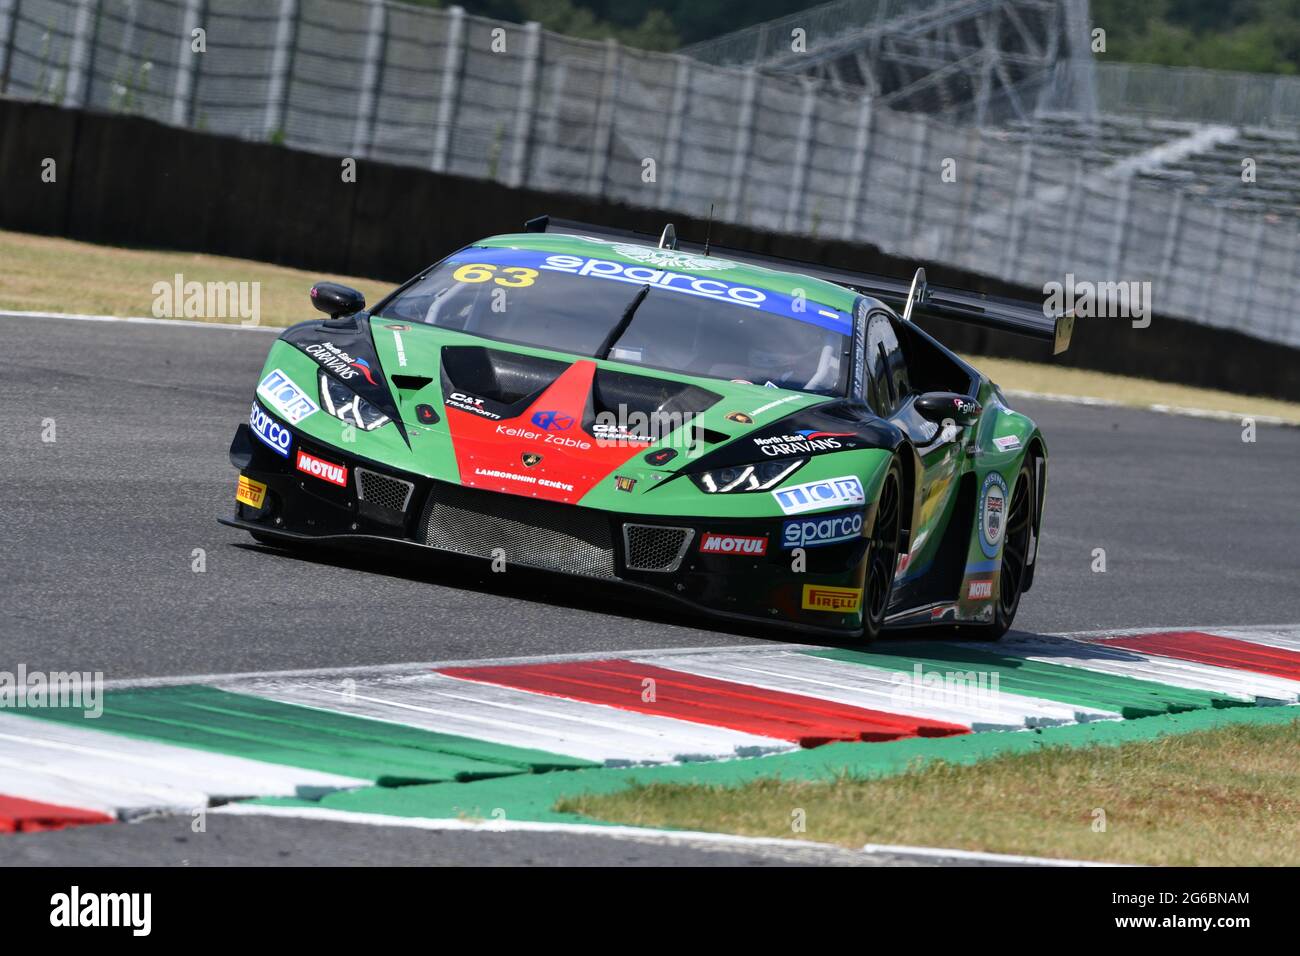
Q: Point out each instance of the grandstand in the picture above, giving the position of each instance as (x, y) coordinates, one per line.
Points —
(931, 56)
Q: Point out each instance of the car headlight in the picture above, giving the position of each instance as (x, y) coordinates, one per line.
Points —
(347, 406)
(762, 476)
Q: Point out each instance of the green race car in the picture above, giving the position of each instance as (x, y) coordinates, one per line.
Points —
(753, 438)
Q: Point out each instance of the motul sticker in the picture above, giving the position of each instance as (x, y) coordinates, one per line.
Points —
(1007, 442)
(980, 590)
(250, 492)
(733, 544)
(324, 470)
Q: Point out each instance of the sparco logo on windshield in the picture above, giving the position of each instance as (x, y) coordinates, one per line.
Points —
(659, 278)
(802, 442)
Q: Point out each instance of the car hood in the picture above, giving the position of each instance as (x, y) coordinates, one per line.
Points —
(550, 425)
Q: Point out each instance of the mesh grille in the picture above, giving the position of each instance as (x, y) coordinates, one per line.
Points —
(383, 491)
(534, 533)
(653, 547)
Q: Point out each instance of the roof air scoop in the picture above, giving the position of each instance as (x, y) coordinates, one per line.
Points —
(668, 238)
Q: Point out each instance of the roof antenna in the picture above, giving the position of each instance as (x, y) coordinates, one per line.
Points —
(708, 228)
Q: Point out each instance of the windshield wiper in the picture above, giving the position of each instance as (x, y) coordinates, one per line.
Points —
(616, 333)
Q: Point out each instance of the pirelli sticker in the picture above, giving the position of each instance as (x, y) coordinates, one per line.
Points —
(819, 597)
(250, 492)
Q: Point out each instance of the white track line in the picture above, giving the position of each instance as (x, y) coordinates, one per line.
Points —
(625, 832)
(1216, 414)
(975, 856)
(1211, 413)
(142, 320)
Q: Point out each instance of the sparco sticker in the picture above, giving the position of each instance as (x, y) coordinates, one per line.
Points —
(271, 433)
(825, 529)
(993, 506)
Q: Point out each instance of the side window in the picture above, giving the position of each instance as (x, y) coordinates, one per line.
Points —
(887, 381)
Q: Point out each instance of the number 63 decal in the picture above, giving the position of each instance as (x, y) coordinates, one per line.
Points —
(482, 272)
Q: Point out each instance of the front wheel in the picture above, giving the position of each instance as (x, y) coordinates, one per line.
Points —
(882, 553)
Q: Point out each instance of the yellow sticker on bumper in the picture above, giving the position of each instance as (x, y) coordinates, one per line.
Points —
(818, 597)
(250, 492)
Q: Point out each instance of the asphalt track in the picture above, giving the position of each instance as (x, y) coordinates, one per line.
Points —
(100, 529)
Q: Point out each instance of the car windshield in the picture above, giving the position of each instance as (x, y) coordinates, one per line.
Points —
(680, 321)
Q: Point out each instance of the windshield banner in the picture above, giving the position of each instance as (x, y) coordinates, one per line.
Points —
(522, 261)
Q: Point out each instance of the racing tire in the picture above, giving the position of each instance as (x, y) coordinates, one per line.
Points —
(1015, 556)
(882, 553)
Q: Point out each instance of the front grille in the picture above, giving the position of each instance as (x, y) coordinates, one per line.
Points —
(383, 491)
(652, 547)
(538, 534)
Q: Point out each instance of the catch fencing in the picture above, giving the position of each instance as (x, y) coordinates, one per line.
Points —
(442, 90)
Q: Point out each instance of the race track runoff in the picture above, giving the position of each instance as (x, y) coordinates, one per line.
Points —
(102, 527)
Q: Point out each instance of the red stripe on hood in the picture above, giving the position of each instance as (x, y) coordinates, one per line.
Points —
(490, 453)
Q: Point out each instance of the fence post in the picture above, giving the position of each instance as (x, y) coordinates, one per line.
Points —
(1020, 207)
(1252, 277)
(1114, 262)
(8, 27)
(527, 104)
(82, 53)
(673, 138)
(605, 111)
(1076, 192)
(1286, 317)
(857, 170)
(367, 99)
(744, 139)
(1171, 239)
(449, 94)
(802, 155)
(907, 234)
(187, 64)
(277, 92)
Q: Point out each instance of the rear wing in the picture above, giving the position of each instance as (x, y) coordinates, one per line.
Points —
(909, 297)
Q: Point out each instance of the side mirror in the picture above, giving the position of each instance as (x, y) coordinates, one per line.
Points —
(336, 300)
(938, 406)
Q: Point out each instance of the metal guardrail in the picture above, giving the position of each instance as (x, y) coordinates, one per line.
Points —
(459, 94)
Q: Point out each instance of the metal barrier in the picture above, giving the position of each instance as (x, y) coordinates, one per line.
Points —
(446, 91)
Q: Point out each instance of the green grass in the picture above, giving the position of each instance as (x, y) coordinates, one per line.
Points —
(1229, 796)
(43, 274)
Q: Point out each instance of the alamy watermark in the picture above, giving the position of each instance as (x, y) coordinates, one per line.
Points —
(977, 689)
(179, 299)
(1102, 300)
(27, 690)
